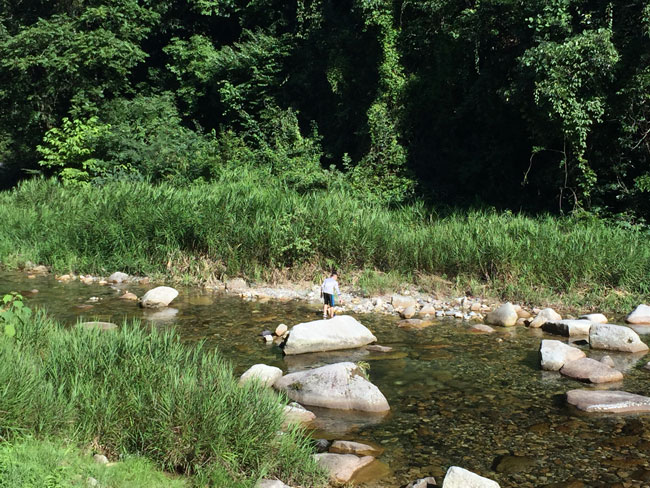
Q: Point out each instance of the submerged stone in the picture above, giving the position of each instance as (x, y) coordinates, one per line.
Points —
(587, 369)
(608, 401)
(342, 467)
(350, 447)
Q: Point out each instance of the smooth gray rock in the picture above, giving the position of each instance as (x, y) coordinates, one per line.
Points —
(568, 328)
(340, 332)
(546, 315)
(555, 354)
(461, 478)
(342, 467)
(403, 301)
(640, 315)
(482, 328)
(266, 375)
(98, 325)
(294, 413)
(408, 312)
(590, 370)
(118, 277)
(505, 315)
(160, 296)
(615, 338)
(608, 401)
(597, 318)
(340, 386)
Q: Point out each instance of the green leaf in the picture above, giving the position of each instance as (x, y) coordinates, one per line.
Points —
(10, 330)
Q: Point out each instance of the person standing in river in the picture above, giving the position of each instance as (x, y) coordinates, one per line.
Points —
(328, 288)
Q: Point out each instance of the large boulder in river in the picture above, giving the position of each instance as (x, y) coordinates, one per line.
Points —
(608, 401)
(556, 354)
(505, 315)
(340, 332)
(160, 296)
(615, 338)
(266, 375)
(568, 328)
(640, 315)
(546, 315)
(341, 386)
(590, 370)
(461, 478)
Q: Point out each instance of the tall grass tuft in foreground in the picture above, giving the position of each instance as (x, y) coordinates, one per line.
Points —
(247, 222)
(132, 391)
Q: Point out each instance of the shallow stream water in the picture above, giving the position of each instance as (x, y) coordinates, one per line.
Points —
(457, 398)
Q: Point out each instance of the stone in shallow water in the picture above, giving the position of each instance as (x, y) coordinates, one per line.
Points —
(613, 401)
(378, 348)
(118, 277)
(640, 315)
(514, 464)
(482, 329)
(342, 467)
(505, 315)
(294, 413)
(598, 318)
(266, 375)
(160, 296)
(340, 386)
(414, 323)
(615, 338)
(340, 332)
(350, 447)
(555, 354)
(587, 369)
(461, 478)
(568, 328)
(548, 314)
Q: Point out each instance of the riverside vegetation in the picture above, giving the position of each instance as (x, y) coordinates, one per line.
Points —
(248, 223)
(137, 392)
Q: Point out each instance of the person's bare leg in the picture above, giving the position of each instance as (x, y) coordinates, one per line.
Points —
(325, 310)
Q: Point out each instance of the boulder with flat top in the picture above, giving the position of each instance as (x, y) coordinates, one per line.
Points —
(611, 401)
(556, 354)
(568, 328)
(340, 332)
(340, 386)
(615, 338)
(640, 315)
(160, 296)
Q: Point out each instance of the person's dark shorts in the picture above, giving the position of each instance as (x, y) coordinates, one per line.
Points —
(328, 299)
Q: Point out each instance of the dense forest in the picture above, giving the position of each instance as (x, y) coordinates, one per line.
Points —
(536, 105)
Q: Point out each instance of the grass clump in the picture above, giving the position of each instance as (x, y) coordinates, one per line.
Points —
(250, 223)
(138, 392)
(31, 462)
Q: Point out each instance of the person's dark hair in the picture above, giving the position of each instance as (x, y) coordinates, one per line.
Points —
(333, 273)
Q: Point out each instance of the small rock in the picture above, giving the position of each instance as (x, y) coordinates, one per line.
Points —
(505, 315)
(461, 478)
(414, 323)
(428, 482)
(350, 447)
(266, 375)
(427, 310)
(523, 314)
(482, 328)
(342, 467)
(144, 281)
(476, 307)
(378, 348)
(160, 296)
(268, 338)
(546, 315)
(281, 329)
(521, 321)
(129, 296)
(294, 413)
(401, 301)
(118, 277)
(608, 361)
(408, 312)
(100, 459)
(65, 277)
(587, 369)
(598, 318)
(31, 276)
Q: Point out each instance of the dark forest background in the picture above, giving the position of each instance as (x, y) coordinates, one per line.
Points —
(535, 105)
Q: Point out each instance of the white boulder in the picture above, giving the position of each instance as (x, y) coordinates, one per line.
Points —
(615, 338)
(568, 328)
(597, 318)
(505, 315)
(461, 478)
(555, 354)
(340, 332)
(640, 315)
(160, 296)
(266, 375)
(402, 301)
(340, 386)
(546, 315)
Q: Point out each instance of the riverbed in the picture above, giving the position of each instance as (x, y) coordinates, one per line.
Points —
(457, 398)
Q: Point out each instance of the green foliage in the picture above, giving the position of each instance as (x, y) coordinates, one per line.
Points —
(144, 393)
(35, 463)
(13, 313)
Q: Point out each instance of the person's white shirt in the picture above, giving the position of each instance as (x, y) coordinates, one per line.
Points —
(329, 285)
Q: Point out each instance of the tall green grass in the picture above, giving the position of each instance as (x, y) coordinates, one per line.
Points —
(133, 391)
(247, 223)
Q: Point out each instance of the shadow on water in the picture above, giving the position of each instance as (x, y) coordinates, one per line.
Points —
(457, 398)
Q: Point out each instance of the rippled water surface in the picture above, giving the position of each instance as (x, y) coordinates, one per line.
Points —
(457, 398)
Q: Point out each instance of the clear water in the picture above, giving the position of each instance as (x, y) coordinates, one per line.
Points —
(457, 398)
